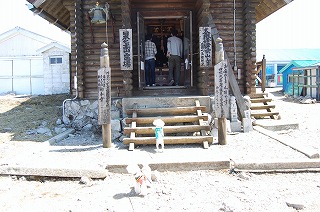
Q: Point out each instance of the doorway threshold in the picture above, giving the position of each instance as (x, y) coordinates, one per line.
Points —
(165, 87)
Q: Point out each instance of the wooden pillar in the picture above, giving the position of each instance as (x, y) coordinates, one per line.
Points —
(249, 47)
(77, 51)
(220, 108)
(104, 96)
(264, 76)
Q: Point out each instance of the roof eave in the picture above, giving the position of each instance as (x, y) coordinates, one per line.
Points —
(43, 14)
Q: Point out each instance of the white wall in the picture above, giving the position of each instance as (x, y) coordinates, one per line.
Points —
(56, 76)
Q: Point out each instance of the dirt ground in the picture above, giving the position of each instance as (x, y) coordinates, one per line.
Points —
(173, 191)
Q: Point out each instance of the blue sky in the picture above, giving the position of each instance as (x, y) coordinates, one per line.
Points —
(296, 25)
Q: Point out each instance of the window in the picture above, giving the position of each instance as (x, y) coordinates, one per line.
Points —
(55, 60)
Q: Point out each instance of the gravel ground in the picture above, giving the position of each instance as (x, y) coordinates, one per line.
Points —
(174, 191)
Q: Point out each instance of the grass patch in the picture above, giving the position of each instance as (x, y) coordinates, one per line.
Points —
(18, 115)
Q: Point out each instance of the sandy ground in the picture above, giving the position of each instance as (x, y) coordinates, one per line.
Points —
(179, 191)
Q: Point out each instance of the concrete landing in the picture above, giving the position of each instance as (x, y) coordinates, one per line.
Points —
(276, 125)
(168, 101)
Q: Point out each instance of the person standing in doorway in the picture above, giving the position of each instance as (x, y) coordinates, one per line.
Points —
(150, 50)
(174, 54)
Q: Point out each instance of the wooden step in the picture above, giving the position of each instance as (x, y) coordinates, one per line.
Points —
(264, 114)
(170, 140)
(167, 111)
(261, 100)
(167, 119)
(167, 129)
(258, 95)
(262, 107)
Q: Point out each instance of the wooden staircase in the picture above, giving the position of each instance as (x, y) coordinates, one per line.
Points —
(183, 125)
(261, 106)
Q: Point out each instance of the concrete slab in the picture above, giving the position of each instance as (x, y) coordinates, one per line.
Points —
(171, 159)
(59, 137)
(152, 102)
(278, 165)
(52, 172)
(276, 125)
(310, 152)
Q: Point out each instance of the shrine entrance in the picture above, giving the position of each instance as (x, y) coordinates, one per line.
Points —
(160, 28)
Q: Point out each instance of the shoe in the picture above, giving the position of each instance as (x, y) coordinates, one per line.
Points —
(153, 85)
(177, 84)
(148, 85)
(171, 82)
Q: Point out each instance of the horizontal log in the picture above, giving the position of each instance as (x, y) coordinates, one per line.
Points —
(166, 111)
(260, 100)
(262, 107)
(264, 114)
(170, 140)
(166, 129)
(167, 119)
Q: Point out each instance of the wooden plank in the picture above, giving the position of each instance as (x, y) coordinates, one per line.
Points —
(167, 129)
(260, 100)
(169, 140)
(167, 119)
(262, 107)
(131, 146)
(133, 124)
(236, 91)
(201, 123)
(133, 133)
(264, 114)
(258, 95)
(166, 111)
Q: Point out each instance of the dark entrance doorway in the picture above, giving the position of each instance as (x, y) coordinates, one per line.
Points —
(160, 28)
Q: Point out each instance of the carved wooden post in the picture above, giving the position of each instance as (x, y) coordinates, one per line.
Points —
(221, 91)
(104, 96)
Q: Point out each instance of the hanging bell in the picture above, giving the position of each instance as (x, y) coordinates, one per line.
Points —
(98, 16)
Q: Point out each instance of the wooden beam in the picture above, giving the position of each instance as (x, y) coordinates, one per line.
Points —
(167, 119)
(167, 129)
(169, 140)
(166, 111)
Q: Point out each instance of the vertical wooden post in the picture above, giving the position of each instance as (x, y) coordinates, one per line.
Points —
(220, 95)
(264, 77)
(104, 96)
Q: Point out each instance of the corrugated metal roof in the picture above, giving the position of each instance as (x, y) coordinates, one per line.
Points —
(287, 55)
(299, 63)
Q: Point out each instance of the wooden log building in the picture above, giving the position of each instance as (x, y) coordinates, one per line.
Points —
(232, 20)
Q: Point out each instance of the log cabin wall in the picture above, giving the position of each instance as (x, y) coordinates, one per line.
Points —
(87, 39)
(249, 46)
(218, 14)
(70, 15)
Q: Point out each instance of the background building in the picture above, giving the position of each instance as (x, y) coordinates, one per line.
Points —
(33, 64)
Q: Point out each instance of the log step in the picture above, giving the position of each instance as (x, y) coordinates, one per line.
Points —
(261, 100)
(264, 114)
(258, 95)
(169, 140)
(167, 119)
(166, 129)
(167, 111)
(262, 107)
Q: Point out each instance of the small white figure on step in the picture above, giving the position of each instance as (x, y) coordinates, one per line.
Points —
(159, 134)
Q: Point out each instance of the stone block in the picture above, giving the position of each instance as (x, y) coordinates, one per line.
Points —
(235, 126)
(115, 125)
(115, 114)
(247, 125)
